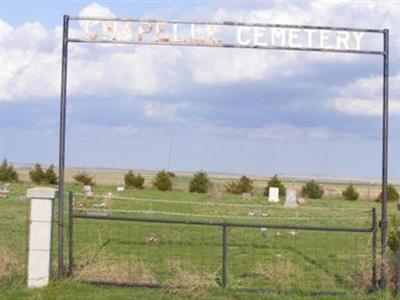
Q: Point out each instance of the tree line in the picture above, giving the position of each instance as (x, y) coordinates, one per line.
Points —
(199, 183)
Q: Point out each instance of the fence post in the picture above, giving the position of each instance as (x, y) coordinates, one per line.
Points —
(224, 255)
(40, 235)
(70, 233)
(385, 130)
(374, 242)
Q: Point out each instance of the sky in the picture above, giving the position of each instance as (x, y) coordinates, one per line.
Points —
(222, 110)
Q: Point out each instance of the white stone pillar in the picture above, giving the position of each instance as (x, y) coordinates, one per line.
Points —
(40, 235)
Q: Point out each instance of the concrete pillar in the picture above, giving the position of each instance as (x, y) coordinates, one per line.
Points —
(40, 235)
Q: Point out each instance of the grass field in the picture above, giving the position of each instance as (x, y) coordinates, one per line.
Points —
(189, 256)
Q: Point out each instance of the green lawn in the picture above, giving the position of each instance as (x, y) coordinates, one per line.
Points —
(190, 256)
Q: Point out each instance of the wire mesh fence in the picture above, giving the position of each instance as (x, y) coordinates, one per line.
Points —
(282, 259)
(192, 256)
(203, 254)
(13, 239)
(143, 253)
(220, 209)
(15, 220)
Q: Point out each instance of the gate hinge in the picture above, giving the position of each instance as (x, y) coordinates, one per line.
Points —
(383, 224)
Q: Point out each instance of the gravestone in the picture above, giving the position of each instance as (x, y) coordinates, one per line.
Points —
(87, 188)
(291, 198)
(246, 196)
(273, 195)
(214, 193)
(5, 191)
(301, 200)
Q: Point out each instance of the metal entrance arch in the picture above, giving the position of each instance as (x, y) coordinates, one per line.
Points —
(212, 43)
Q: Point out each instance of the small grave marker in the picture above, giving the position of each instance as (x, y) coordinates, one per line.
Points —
(214, 193)
(246, 196)
(301, 200)
(273, 195)
(291, 198)
(87, 188)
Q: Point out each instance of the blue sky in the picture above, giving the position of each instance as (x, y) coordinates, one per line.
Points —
(243, 111)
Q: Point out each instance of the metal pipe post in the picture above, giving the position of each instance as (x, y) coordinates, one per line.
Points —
(224, 256)
(374, 242)
(70, 233)
(61, 158)
(385, 130)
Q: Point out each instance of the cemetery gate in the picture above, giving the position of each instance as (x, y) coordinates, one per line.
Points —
(236, 35)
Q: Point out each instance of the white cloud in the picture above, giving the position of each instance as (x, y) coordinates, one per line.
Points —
(363, 97)
(161, 111)
(106, 130)
(363, 107)
(31, 66)
(275, 131)
(96, 10)
(31, 54)
(228, 66)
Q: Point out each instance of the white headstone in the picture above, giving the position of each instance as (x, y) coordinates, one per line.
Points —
(40, 229)
(291, 198)
(87, 188)
(273, 195)
(120, 188)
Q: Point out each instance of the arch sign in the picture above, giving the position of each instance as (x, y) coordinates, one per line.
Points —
(226, 35)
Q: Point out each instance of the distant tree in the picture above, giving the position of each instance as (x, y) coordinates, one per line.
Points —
(139, 182)
(350, 193)
(162, 181)
(312, 190)
(37, 174)
(171, 174)
(275, 182)
(133, 181)
(243, 185)
(50, 176)
(84, 178)
(7, 172)
(200, 183)
(393, 194)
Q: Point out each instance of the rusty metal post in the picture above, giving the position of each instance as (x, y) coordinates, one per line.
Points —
(374, 242)
(385, 135)
(61, 160)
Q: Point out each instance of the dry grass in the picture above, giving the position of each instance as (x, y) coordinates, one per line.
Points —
(130, 270)
(360, 278)
(9, 264)
(328, 281)
(282, 273)
(189, 284)
(391, 273)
